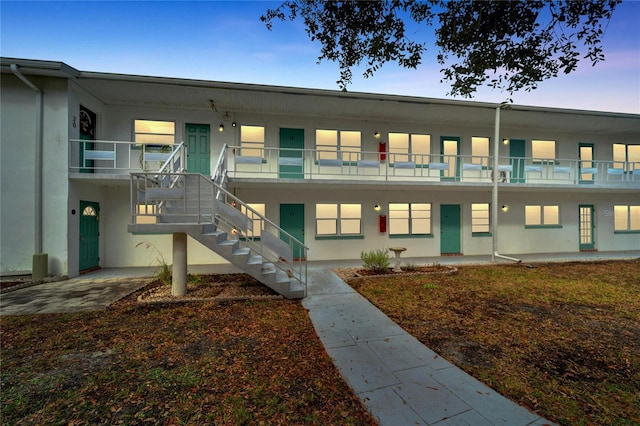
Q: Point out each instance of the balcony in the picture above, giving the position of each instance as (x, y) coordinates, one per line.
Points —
(315, 165)
(104, 159)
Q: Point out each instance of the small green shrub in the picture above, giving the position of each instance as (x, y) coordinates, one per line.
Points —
(376, 260)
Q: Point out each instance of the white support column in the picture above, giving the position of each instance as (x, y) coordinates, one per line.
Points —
(494, 191)
(179, 276)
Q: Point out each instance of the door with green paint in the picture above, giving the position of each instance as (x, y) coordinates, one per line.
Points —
(291, 158)
(198, 148)
(292, 221)
(517, 155)
(450, 228)
(587, 226)
(450, 150)
(89, 235)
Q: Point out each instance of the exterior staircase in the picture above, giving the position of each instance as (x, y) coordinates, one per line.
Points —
(169, 202)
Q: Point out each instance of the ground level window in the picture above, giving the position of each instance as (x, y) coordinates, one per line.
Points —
(542, 216)
(480, 223)
(154, 132)
(626, 218)
(336, 220)
(253, 211)
(409, 218)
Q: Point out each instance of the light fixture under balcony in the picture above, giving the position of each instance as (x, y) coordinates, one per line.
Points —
(221, 127)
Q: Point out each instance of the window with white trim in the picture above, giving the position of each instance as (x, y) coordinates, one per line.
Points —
(338, 145)
(256, 230)
(543, 150)
(252, 141)
(626, 157)
(626, 218)
(409, 147)
(409, 218)
(154, 132)
(480, 218)
(480, 151)
(338, 219)
(541, 215)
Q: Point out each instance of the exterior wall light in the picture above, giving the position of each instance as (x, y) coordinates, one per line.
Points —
(505, 141)
(377, 207)
(221, 127)
(376, 135)
(505, 208)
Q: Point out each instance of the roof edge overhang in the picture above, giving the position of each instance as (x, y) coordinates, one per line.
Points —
(60, 69)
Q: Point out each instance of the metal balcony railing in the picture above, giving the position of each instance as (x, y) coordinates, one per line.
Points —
(102, 156)
(118, 157)
(313, 164)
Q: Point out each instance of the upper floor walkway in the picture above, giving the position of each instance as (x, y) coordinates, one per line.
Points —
(105, 159)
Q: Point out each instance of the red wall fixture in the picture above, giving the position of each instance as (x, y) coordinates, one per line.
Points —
(382, 223)
(382, 149)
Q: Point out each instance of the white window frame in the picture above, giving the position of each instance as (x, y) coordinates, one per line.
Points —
(252, 140)
(626, 218)
(480, 219)
(545, 214)
(256, 229)
(415, 147)
(151, 132)
(480, 151)
(625, 160)
(343, 218)
(544, 151)
(332, 144)
(410, 215)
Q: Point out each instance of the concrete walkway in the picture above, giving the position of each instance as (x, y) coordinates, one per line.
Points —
(399, 380)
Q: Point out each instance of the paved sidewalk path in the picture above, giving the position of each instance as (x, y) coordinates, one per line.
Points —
(400, 381)
(84, 293)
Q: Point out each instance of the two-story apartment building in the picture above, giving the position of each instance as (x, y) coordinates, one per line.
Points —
(340, 172)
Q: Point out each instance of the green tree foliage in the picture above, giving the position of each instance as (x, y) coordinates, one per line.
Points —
(509, 45)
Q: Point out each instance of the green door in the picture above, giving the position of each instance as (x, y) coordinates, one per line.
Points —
(89, 235)
(291, 160)
(450, 229)
(517, 154)
(292, 221)
(198, 149)
(587, 227)
(586, 162)
(450, 150)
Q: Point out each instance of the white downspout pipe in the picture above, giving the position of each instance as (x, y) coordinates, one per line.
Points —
(494, 192)
(38, 154)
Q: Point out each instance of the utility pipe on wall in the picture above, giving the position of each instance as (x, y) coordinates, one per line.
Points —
(494, 192)
(38, 154)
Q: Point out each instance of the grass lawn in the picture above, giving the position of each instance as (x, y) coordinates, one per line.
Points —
(562, 339)
(248, 362)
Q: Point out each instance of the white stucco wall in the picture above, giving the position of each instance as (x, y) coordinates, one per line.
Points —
(18, 174)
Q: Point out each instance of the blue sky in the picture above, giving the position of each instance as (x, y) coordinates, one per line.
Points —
(225, 41)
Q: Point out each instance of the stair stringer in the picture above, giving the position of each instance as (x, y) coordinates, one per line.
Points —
(241, 255)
